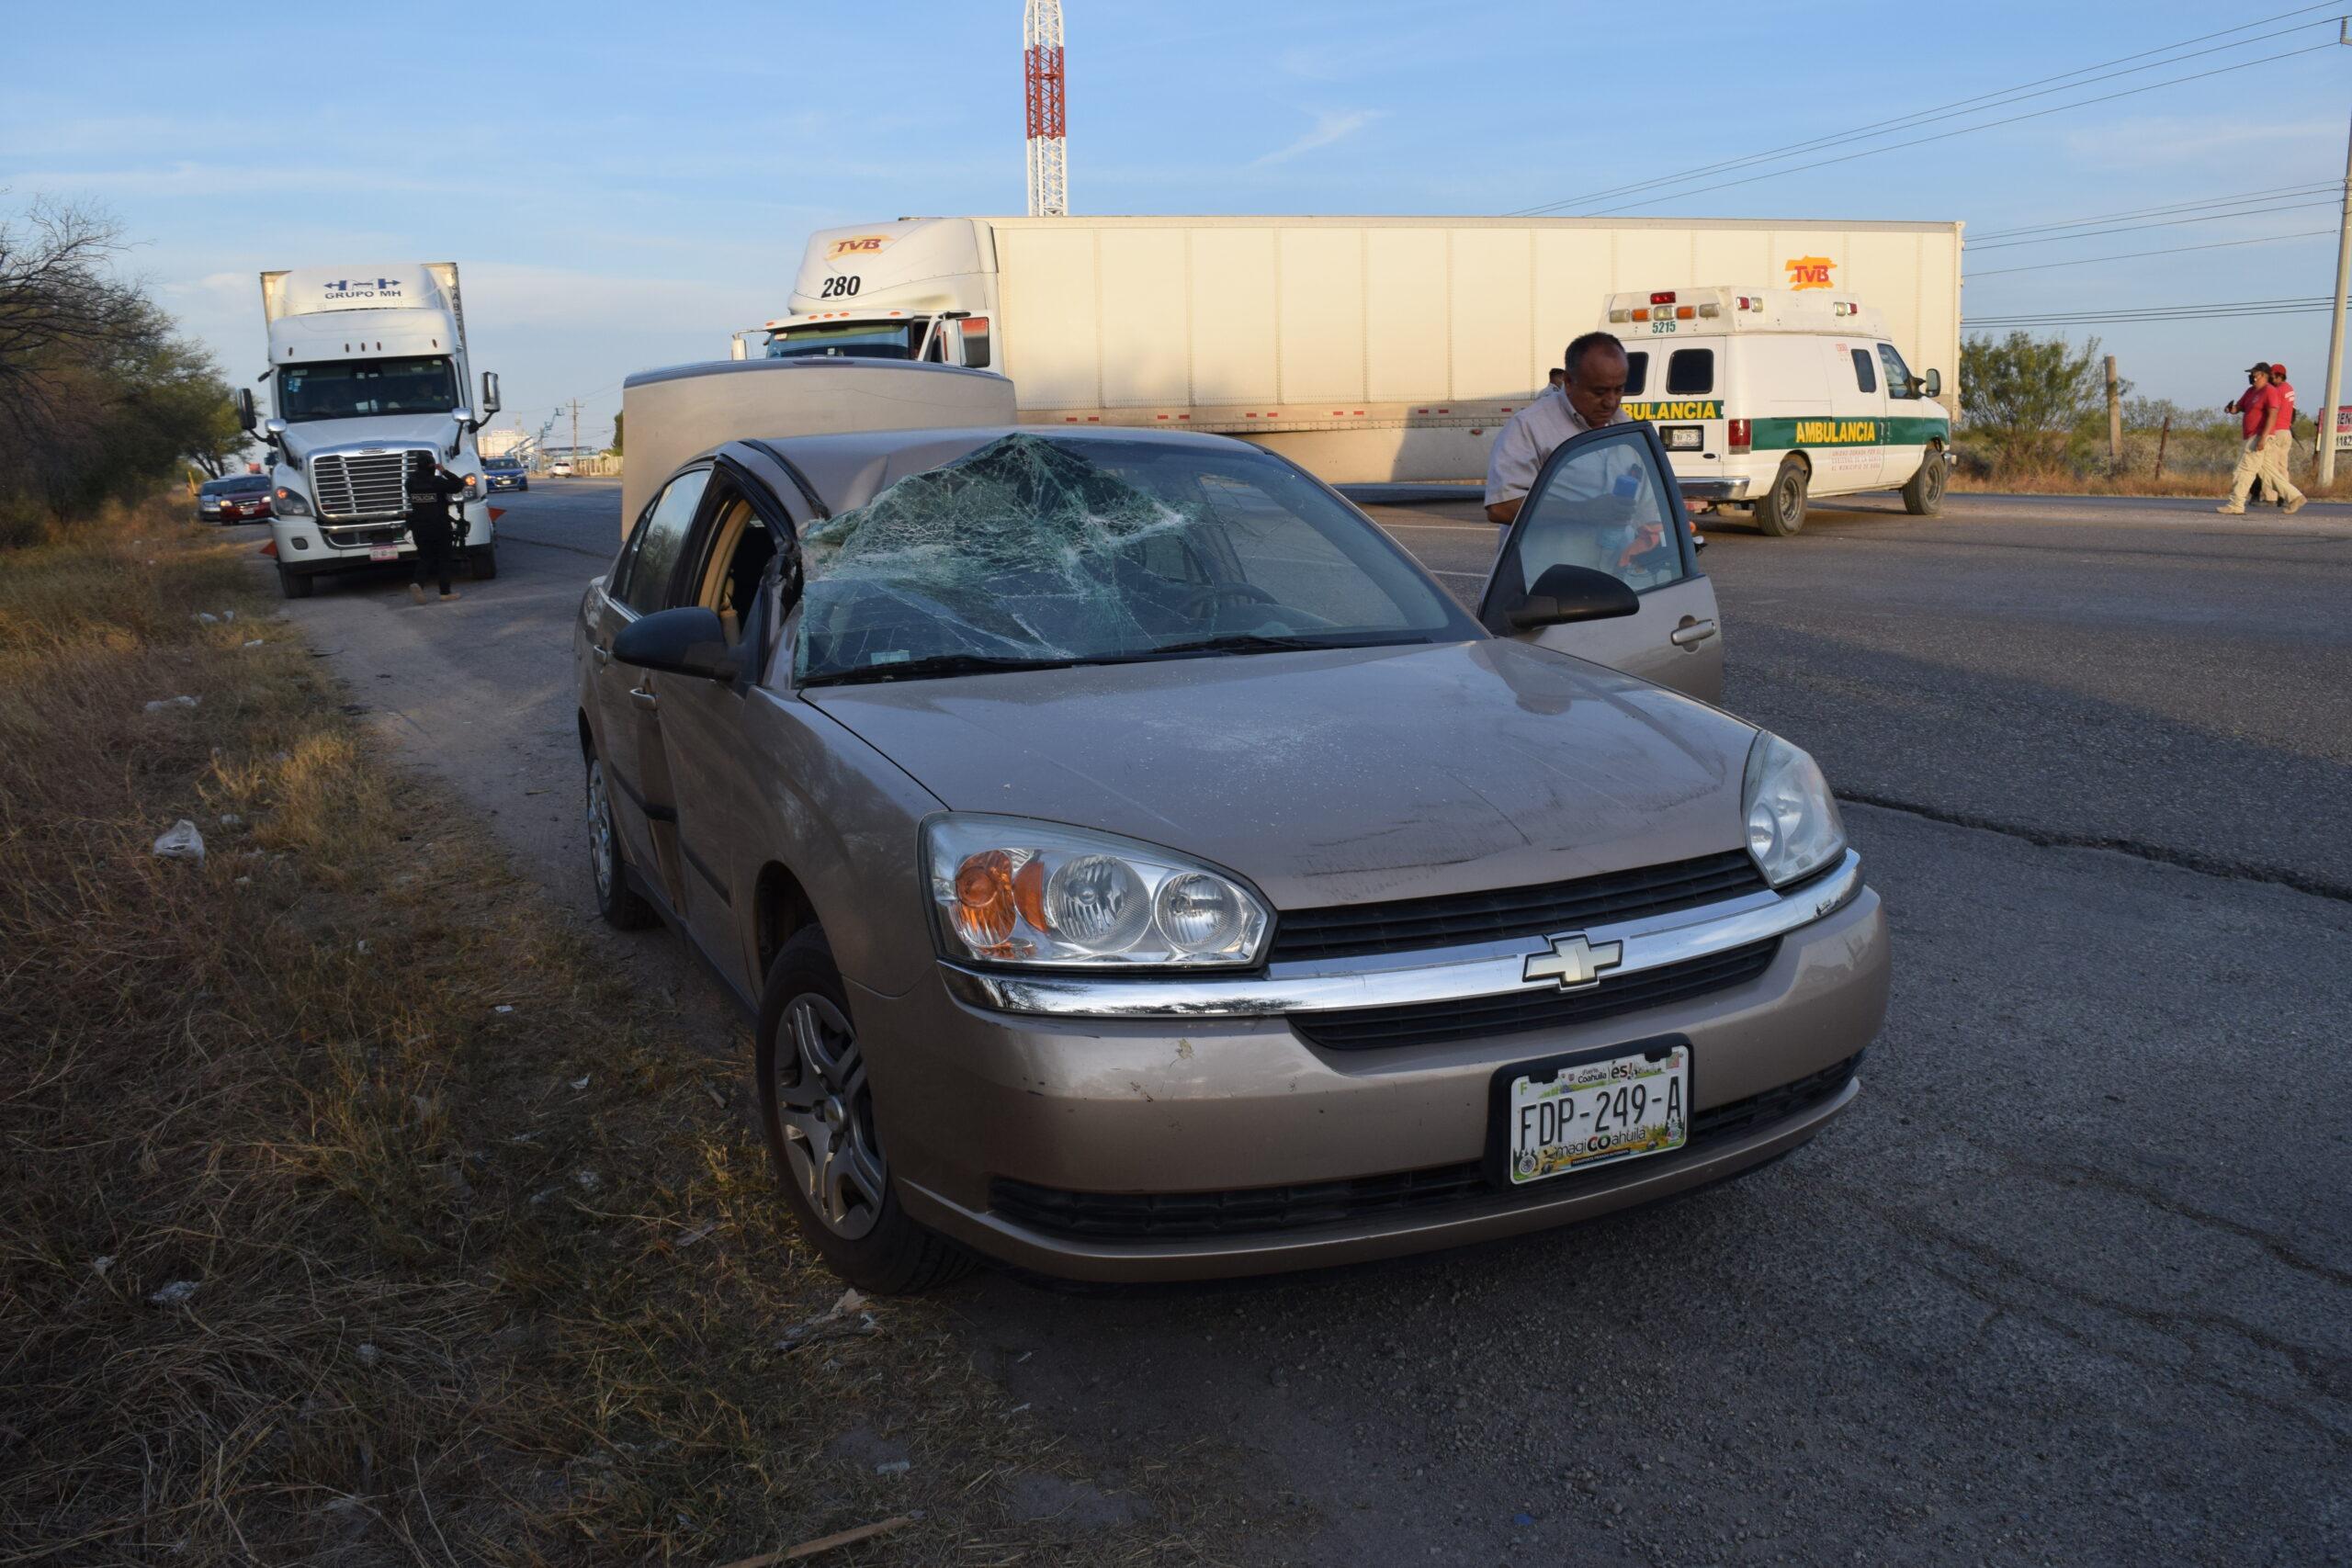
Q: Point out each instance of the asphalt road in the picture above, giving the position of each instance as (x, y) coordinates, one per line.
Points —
(2070, 1283)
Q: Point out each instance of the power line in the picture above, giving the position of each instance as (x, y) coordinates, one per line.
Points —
(1988, 125)
(2160, 211)
(1946, 111)
(1982, 101)
(2156, 313)
(2161, 223)
(2167, 251)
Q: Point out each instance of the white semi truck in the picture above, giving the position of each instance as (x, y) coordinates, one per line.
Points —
(1363, 348)
(367, 365)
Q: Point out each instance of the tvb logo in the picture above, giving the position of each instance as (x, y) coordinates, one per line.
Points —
(1809, 272)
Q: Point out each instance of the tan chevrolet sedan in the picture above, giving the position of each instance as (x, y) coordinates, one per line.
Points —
(1140, 869)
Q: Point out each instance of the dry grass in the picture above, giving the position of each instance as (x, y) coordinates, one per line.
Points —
(2059, 482)
(461, 1284)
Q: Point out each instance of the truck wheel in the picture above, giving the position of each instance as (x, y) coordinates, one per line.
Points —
(1779, 510)
(292, 584)
(617, 901)
(1923, 494)
(817, 1108)
(483, 559)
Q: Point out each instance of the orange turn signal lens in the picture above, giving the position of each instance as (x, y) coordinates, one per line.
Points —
(984, 909)
(1029, 893)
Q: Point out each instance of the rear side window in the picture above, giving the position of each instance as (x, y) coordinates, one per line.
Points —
(1638, 372)
(652, 557)
(1865, 373)
(1691, 373)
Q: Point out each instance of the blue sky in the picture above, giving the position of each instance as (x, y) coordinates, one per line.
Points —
(627, 184)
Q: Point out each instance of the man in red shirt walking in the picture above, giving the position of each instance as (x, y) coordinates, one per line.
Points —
(2266, 418)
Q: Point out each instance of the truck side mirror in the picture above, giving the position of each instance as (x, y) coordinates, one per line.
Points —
(462, 416)
(247, 415)
(1934, 383)
(490, 403)
(273, 429)
(1567, 593)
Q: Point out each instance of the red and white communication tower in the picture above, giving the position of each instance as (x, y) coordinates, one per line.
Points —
(1041, 37)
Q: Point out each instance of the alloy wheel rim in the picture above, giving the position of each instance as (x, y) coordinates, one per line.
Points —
(828, 1117)
(600, 831)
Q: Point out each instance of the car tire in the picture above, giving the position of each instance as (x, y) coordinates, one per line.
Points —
(525, 485)
(1923, 492)
(292, 584)
(620, 905)
(482, 560)
(1779, 510)
(822, 1137)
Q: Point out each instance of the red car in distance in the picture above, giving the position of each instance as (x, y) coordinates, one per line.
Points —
(238, 498)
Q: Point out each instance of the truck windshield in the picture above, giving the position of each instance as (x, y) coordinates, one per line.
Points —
(851, 340)
(353, 388)
(1032, 552)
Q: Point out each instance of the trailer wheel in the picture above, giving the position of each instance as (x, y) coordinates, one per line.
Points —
(294, 584)
(1923, 492)
(483, 559)
(1779, 510)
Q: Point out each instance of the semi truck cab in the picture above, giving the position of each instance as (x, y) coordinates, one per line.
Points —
(367, 366)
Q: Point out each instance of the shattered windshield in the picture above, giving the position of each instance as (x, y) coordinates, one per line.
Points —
(1032, 551)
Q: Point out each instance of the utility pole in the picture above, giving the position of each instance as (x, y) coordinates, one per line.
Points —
(1041, 41)
(575, 433)
(2324, 463)
(2114, 415)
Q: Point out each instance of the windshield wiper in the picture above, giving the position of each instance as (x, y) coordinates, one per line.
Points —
(939, 664)
(1258, 642)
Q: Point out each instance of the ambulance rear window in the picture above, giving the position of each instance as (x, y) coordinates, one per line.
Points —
(1638, 372)
(1691, 373)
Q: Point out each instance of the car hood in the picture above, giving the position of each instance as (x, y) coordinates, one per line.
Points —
(1335, 776)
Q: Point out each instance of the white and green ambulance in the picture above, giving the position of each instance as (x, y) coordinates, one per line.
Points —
(1767, 398)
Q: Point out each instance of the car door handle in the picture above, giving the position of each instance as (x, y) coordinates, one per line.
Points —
(1692, 633)
(644, 699)
(603, 656)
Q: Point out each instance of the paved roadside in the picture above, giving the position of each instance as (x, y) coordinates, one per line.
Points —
(2073, 1282)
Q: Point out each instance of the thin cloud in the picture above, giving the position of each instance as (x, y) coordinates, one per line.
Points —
(1330, 127)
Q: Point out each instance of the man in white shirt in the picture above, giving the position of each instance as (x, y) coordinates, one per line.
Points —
(1595, 368)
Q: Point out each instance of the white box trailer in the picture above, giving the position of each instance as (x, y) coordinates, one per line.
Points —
(1364, 348)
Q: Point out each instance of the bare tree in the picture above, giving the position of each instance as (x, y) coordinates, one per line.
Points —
(59, 301)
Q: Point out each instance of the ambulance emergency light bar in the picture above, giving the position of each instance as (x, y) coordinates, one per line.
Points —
(1665, 305)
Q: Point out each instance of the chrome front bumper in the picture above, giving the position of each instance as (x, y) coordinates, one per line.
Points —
(1454, 973)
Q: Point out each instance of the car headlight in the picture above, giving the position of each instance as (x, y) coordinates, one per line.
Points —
(1793, 825)
(1008, 890)
(290, 502)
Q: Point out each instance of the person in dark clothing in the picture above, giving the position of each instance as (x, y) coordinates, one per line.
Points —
(436, 522)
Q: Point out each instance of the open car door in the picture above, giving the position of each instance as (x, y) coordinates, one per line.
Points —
(1606, 501)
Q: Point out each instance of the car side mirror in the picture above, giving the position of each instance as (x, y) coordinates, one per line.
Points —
(1566, 594)
(686, 641)
(1933, 383)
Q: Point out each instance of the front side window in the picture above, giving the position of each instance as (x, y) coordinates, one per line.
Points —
(357, 388)
(850, 340)
(651, 558)
(1898, 375)
(1637, 371)
(1033, 551)
(1602, 503)
(1865, 373)
(1691, 373)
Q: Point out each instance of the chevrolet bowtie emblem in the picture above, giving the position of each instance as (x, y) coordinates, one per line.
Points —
(1572, 962)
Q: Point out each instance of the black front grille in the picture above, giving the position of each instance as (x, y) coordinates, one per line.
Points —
(1516, 1012)
(1259, 1211)
(1407, 925)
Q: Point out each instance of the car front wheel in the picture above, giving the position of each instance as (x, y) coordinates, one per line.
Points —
(817, 1108)
(1779, 512)
(1923, 494)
